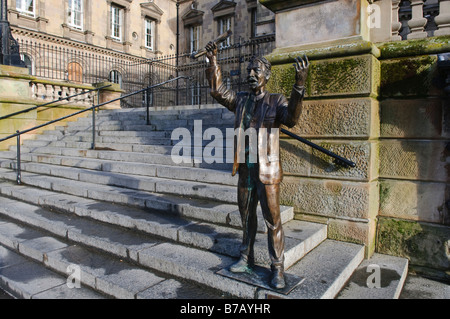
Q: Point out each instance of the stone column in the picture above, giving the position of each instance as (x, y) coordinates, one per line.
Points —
(443, 19)
(418, 22)
(396, 24)
(340, 113)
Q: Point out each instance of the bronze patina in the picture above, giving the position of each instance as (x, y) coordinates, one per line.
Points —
(259, 180)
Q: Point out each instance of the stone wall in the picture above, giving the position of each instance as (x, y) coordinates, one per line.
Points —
(382, 106)
(414, 216)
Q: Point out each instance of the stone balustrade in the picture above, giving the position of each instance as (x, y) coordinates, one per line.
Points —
(405, 20)
(45, 91)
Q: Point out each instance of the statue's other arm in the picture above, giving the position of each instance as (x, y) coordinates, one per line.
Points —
(290, 114)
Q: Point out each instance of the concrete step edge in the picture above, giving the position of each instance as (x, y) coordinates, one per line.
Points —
(207, 211)
(23, 278)
(103, 273)
(153, 184)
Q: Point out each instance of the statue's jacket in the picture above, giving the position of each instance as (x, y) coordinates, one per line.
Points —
(274, 111)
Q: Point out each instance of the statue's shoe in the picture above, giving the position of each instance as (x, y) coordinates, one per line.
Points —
(278, 281)
(241, 266)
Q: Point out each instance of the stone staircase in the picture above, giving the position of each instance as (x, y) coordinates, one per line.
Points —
(136, 225)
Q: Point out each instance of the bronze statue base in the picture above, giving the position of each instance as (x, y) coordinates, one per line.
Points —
(260, 277)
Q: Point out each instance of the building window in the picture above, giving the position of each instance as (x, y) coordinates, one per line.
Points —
(149, 34)
(116, 22)
(115, 77)
(26, 7)
(28, 63)
(75, 14)
(253, 21)
(194, 38)
(224, 26)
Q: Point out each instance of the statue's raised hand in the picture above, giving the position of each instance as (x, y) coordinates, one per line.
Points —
(211, 51)
(301, 66)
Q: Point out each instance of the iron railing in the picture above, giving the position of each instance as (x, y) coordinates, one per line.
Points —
(338, 160)
(86, 66)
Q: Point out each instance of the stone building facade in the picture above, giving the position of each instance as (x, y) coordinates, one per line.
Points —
(127, 30)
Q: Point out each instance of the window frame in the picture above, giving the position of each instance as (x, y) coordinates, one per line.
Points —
(194, 38)
(120, 10)
(115, 76)
(222, 21)
(20, 6)
(71, 14)
(150, 37)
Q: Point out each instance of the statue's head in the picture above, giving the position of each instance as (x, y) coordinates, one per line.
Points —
(259, 72)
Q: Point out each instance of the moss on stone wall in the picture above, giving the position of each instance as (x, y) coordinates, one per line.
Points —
(433, 45)
(425, 245)
(330, 77)
(411, 76)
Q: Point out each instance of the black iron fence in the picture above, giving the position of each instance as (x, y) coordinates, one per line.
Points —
(83, 66)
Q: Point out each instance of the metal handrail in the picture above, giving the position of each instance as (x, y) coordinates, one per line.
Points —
(18, 134)
(52, 102)
(338, 160)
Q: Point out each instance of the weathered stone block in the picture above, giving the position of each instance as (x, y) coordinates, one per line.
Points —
(423, 160)
(318, 22)
(331, 198)
(108, 94)
(295, 157)
(356, 75)
(418, 118)
(358, 118)
(12, 87)
(419, 201)
(9, 108)
(356, 232)
(411, 76)
(301, 160)
(423, 244)
(363, 153)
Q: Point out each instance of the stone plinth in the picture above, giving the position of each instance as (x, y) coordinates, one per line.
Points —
(318, 21)
(108, 94)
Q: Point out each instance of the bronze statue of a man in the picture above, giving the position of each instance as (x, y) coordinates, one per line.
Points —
(259, 180)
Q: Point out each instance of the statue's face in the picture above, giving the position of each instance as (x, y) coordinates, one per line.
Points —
(257, 76)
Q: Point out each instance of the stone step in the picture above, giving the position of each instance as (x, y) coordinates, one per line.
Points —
(77, 158)
(27, 279)
(171, 259)
(326, 269)
(104, 275)
(380, 277)
(73, 154)
(201, 235)
(119, 133)
(203, 210)
(92, 173)
(190, 112)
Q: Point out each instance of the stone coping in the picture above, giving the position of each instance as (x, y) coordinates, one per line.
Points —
(355, 46)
